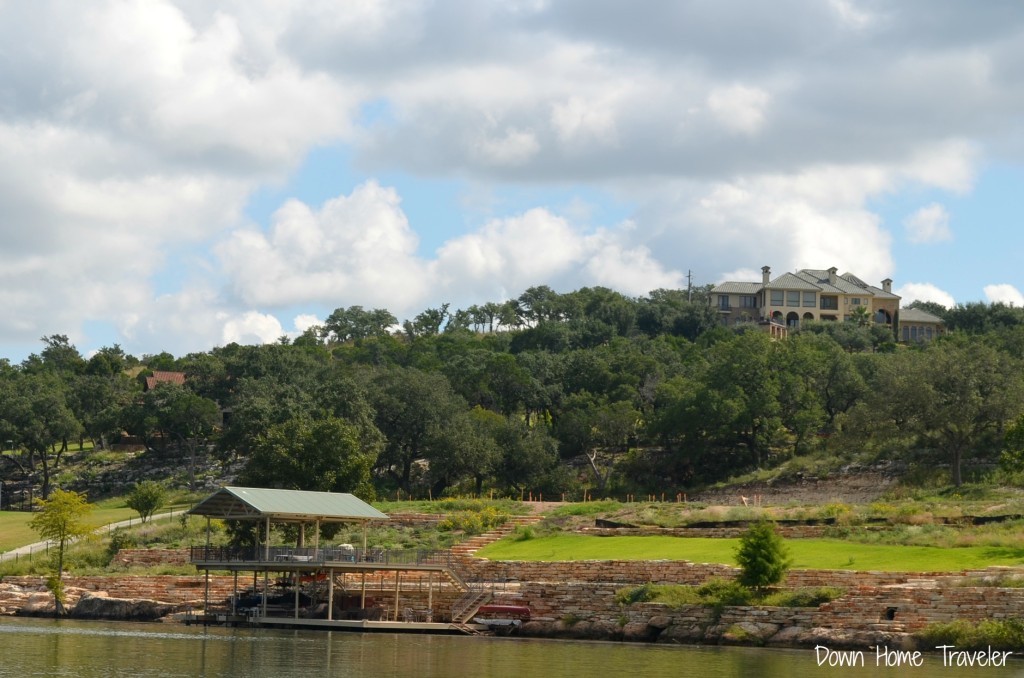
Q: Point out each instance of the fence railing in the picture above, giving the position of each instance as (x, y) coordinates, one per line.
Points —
(214, 555)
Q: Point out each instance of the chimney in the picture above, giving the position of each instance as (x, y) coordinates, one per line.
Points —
(766, 275)
(887, 285)
(832, 275)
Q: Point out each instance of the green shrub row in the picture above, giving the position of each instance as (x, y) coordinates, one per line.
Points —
(999, 634)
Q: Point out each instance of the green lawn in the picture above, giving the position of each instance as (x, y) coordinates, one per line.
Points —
(14, 530)
(806, 553)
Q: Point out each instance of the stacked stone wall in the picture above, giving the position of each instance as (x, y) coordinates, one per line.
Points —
(681, 572)
(151, 557)
(786, 531)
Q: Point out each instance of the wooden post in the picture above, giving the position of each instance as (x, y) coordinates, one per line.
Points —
(296, 580)
(266, 584)
(430, 596)
(266, 545)
(234, 595)
(398, 580)
(330, 595)
(362, 601)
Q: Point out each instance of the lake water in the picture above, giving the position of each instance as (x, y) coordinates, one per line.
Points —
(31, 647)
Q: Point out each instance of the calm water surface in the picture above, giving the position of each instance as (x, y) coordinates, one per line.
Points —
(74, 649)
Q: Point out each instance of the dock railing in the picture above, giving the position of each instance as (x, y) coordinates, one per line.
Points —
(212, 556)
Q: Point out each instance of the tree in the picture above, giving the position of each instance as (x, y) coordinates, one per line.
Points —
(61, 519)
(354, 322)
(146, 498)
(176, 412)
(413, 408)
(762, 556)
(324, 455)
(36, 409)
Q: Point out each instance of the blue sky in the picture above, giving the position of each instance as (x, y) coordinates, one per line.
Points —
(177, 175)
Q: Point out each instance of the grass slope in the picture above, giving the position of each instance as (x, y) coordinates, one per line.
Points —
(15, 532)
(805, 553)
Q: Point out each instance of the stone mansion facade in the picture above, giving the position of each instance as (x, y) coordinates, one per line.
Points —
(809, 294)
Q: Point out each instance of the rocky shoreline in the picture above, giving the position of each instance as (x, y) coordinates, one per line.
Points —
(639, 622)
(750, 626)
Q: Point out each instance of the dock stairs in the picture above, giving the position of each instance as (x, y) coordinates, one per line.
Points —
(476, 593)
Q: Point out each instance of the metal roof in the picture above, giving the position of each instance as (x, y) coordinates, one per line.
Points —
(252, 503)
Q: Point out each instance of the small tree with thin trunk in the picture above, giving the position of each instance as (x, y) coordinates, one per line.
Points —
(61, 519)
(146, 498)
(762, 556)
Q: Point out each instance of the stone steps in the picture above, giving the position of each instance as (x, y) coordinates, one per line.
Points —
(470, 546)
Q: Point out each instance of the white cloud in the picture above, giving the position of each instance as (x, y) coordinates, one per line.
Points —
(739, 108)
(928, 224)
(133, 134)
(358, 247)
(924, 292)
(539, 247)
(304, 321)
(251, 328)
(579, 120)
(1004, 293)
(511, 147)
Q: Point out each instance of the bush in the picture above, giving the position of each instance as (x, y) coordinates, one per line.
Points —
(802, 597)
(762, 556)
(637, 594)
(146, 498)
(722, 592)
(999, 634)
(474, 522)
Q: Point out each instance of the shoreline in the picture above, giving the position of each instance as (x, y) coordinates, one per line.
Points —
(866, 617)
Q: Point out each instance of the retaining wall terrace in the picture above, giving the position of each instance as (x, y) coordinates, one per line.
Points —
(871, 608)
(683, 572)
(786, 531)
(151, 557)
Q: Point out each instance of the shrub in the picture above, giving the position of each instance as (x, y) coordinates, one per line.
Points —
(802, 597)
(722, 592)
(999, 634)
(474, 522)
(146, 498)
(637, 594)
(762, 556)
(524, 533)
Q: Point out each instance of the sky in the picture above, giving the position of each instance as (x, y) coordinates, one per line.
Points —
(177, 175)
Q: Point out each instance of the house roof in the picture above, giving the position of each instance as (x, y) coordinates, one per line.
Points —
(916, 315)
(160, 377)
(792, 281)
(253, 503)
(809, 279)
(737, 288)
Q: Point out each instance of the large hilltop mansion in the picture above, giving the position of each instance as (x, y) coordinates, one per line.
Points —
(810, 294)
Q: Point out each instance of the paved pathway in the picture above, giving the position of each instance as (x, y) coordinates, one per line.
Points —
(30, 549)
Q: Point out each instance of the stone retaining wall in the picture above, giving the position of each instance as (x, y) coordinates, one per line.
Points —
(683, 572)
(151, 557)
(786, 531)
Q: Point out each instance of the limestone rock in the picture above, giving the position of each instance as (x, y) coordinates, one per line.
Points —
(660, 622)
(747, 633)
(682, 633)
(104, 607)
(38, 605)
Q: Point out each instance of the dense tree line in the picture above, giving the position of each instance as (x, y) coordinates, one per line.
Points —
(546, 393)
